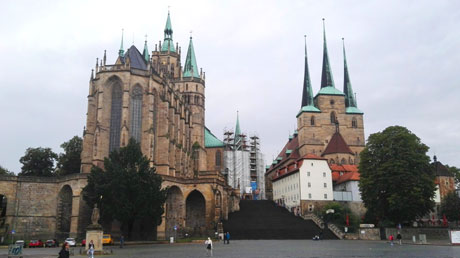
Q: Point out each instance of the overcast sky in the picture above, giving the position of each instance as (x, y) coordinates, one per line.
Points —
(403, 58)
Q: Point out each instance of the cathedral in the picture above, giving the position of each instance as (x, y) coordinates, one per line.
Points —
(153, 98)
(158, 100)
(329, 124)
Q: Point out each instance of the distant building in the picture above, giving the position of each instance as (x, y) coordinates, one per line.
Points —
(303, 184)
(329, 125)
(244, 163)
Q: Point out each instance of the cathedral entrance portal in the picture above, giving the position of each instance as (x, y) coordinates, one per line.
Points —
(64, 212)
(196, 214)
(175, 212)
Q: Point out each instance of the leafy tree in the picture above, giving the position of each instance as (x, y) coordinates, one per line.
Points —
(339, 216)
(456, 173)
(38, 162)
(396, 182)
(450, 206)
(5, 172)
(69, 162)
(129, 187)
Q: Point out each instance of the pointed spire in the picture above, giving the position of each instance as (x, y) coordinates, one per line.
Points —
(307, 95)
(168, 44)
(350, 100)
(145, 53)
(326, 76)
(237, 129)
(191, 68)
(121, 52)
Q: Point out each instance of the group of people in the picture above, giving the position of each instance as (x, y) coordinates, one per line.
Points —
(398, 237)
(65, 250)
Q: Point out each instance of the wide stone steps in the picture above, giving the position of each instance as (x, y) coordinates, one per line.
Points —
(264, 220)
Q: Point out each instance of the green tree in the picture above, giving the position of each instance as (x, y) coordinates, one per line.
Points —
(129, 187)
(456, 173)
(450, 206)
(38, 162)
(5, 172)
(396, 182)
(69, 162)
(339, 216)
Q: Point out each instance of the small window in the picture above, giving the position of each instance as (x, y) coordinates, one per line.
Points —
(309, 184)
(186, 86)
(312, 164)
(308, 173)
(324, 174)
(325, 196)
(333, 118)
(332, 102)
(325, 185)
(312, 120)
(309, 196)
(447, 182)
(354, 123)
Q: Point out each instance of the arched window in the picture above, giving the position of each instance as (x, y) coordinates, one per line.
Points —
(354, 123)
(136, 113)
(115, 116)
(343, 161)
(333, 118)
(218, 158)
(332, 161)
(312, 120)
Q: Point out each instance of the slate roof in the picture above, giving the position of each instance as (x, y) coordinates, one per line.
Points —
(440, 170)
(283, 157)
(337, 145)
(136, 59)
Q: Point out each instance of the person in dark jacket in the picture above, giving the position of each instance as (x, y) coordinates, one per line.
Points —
(64, 253)
(227, 236)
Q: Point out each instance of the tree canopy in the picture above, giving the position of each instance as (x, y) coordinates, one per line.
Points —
(396, 182)
(129, 187)
(38, 162)
(5, 172)
(69, 162)
(450, 206)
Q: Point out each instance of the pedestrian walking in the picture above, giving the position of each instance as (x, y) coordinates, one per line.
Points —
(392, 238)
(64, 253)
(228, 237)
(91, 249)
(225, 238)
(208, 244)
(122, 241)
(399, 237)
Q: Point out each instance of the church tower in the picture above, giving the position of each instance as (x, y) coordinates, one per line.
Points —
(329, 113)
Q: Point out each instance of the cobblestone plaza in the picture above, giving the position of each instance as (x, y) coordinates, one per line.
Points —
(269, 248)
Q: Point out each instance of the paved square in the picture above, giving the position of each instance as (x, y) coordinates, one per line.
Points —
(269, 248)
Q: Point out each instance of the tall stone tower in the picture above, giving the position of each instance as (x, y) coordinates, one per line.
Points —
(330, 113)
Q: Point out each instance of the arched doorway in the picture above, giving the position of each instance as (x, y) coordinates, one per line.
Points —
(3, 204)
(196, 214)
(64, 212)
(174, 212)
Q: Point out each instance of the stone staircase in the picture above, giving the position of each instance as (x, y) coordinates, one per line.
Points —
(319, 222)
(264, 220)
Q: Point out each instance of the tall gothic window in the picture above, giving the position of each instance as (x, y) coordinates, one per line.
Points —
(115, 116)
(333, 118)
(218, 158)
(354, 123)
(312, 120)
(136, 113)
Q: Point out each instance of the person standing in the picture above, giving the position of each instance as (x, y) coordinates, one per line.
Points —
(122, 241)
(64, 253)
(399, 237)
(91, 249)
(208, 244)
(392, 238)
(227, 236)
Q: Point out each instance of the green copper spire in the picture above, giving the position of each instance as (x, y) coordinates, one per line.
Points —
(307, 95)
(326, 75)
(121, 52)
(191, 69)
(350, 101)
(237, 129)
(168, 44)
(145, 53)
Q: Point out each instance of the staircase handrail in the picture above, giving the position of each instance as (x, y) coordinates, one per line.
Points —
(320, 223)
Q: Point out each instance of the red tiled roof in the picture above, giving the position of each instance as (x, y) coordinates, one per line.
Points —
(335, 176)
(337, 145)
(350, 176)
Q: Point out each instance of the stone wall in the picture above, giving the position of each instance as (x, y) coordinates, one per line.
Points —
(32, 205)
(433, 234)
